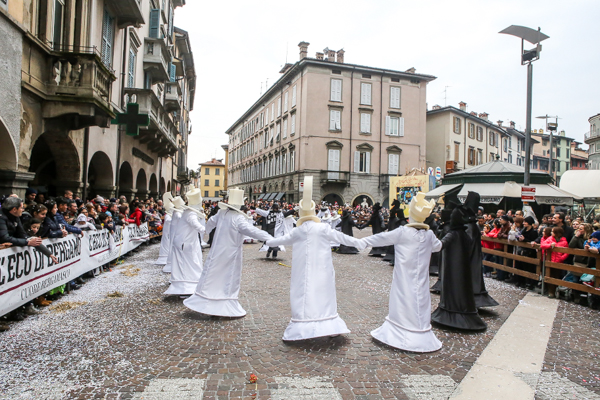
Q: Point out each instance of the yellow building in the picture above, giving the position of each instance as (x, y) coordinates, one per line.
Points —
(212, 177)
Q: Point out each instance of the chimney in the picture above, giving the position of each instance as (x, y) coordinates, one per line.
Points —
(340, 56)
(463, 106)
(499, 122)
(303, 49)
(319, 56)
(330, 54)
(436, 107)
(512, 124)
(411, 70)
(484, 115)
(474, 113)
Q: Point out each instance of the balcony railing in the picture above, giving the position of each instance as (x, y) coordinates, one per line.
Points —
(161, 134)
(172, 96)
(157, 59)
(591, 135)
(334, 177)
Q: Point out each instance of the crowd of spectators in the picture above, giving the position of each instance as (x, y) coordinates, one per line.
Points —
(25, 222)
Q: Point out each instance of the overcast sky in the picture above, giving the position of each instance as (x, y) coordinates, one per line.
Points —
(239, 45)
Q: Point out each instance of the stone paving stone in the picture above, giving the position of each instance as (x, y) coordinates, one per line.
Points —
(431, 387)
(574, 348)
(551, 386)
(304, 388)
(118, 346)
(167, 389)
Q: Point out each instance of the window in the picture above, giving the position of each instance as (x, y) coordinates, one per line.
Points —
(456, 125)
(395, 97)
(294, 96)
(217, 171)
(471, 156)
(394, 126)
(336, 90)
(131, 70)
(471, 131)
(335, 120)
(293, 127)
(333, 163)
(456, 151)
(393, 161)
(108, 34)
(479, 156)
(510, 158)
(272, 112)
(285, 127)
(267, 115)
(59, 18)
(206, 171)
(292, 160)
(558, 152)
(206, 182)
(285, 102)
(279, 107)
(365, 93)
(217, 182)
(206, 193)
(505, 144)
(492, 157)
(217, 193)
(278, 134)
(492, 138)
(365, 123)
(480, 134)
(362, 161)
(568, 153)
(155, 23)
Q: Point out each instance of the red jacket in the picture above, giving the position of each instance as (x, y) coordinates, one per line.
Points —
(556, 256)
(485, 244)
(496, 246)
(137, 216)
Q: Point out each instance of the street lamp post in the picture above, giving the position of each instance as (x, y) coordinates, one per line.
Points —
(527, 57)
(551, 127)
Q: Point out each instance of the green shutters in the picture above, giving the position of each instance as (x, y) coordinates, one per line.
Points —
(108, 35)
(155, 23)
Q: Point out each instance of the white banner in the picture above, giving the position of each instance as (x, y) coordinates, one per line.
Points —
(25, 273)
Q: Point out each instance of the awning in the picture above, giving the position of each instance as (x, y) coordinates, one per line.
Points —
(490, 193)
(279, 196)
(261, 196)
(551, 195)
(440, 190)
(582, 183)
(270, 196)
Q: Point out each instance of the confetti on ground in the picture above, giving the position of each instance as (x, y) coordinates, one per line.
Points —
(115, 294)
(66, 305)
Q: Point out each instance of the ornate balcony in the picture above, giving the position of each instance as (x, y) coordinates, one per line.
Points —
(172, 96)
(590, 137)
(161, 134)
(334, 177)
(157, 59)
(78, 84)
(128, 12)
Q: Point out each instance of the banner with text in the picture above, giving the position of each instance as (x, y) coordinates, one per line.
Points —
(25, 273)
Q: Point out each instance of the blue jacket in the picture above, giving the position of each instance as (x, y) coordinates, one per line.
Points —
(70, 228)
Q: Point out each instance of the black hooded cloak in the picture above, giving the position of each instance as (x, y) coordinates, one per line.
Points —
(482, 297)
(397, 219)
(457, 307)
(346, 224)
(378, 225)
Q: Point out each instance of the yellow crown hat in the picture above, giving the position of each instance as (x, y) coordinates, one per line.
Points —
(420, 208)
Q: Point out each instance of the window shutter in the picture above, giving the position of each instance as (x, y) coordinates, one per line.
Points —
(293, 124)
(294, 96)
(401, 126)
(363, 118)
(365, 93)
(171, 26)
(173, 71)
(336, 90)
(285, 128)
(357, 161)
(154, 23)
(131, 71)
(272, 112)
(368, 162)
(107, 38)
(387, 125)
(395, 97)
(279, 107)
(285, 102)
(393, 160)
(332, 120)
(338, 120)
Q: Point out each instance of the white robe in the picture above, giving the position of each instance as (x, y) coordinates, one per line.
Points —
(187, 254)
(288, 224)
(335, 225)
(322, 214)
(408, 324)
(172, 232)
(312, 287)
(165, 242)
(219, 285)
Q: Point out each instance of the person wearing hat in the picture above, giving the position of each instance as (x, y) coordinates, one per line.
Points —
(219, 285)
(178, 208)
(186, 267)
(165, 240)
(346, 225)
(312, 286)
(378, 224)
(408, 324)
(457, 307)
(30, 194)
(527, 235)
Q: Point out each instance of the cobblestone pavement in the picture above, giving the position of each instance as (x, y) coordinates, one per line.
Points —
(147, 346)
(573, 352)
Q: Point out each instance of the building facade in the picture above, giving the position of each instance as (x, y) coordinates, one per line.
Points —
(212, 179)
(561, 154)
(579, 156)
(72, 67)
(348, 125)
(592, 139)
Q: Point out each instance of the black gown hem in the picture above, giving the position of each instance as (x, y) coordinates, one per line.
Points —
(485, 300)
(464, 321)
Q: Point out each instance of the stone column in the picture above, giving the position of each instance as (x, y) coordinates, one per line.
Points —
(15, 182)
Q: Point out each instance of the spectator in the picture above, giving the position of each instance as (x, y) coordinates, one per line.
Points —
(557, 239)
(50, 228)
(62, 204)
(503, 233)
(32, 228)
(137, 214)
(83, 223)
(527, 234)
(11, 229)
(68, 195)
(30, 195)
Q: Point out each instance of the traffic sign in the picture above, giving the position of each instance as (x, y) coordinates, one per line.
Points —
(438, 172)
(430, 171)
(527, 193)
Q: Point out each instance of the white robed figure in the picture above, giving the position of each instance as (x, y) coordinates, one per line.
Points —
(334, 222)
(219, 285)
(275, 224)
(288, 224)
(187, 252)
(408, 324)
(165, 240)
(178, 210)
(312, 287)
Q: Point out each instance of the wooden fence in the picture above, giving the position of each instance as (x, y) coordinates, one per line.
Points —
(551, 272)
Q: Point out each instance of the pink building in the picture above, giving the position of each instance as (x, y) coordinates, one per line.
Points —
(350, 126)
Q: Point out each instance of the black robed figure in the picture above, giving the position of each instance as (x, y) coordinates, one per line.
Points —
(457, 307)
(347, 223)
(378, 225)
